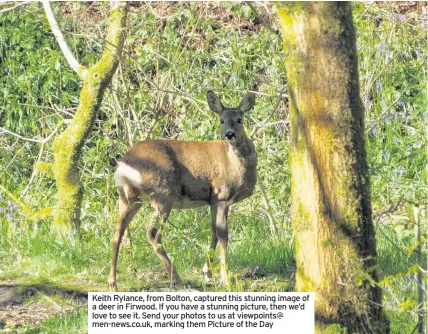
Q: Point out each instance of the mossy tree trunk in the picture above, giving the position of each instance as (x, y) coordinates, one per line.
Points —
(335, 240)
(68, 145)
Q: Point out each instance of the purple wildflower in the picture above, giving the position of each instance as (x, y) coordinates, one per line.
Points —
(401, 17)
(406, 116)
(373, 127)
(395, 140)
(368, 104)
(9, 205)
(234, 78)
(400, 104)
(378, 86)
(400, 171)
(386, 155)
(2, 210)
(9, 217)
(419, 53)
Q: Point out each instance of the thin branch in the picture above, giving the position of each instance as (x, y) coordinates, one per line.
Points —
(272, 221)
(274, 110)
(32, 140)
(33, 174)
(262, 20)
(72, 61)
(13, 7)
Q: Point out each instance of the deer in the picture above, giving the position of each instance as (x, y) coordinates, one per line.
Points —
(179, 174)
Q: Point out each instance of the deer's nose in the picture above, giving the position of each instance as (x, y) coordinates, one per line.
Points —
(229, 134)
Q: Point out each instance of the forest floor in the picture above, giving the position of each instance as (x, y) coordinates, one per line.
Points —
(28, 306)
(23, 304)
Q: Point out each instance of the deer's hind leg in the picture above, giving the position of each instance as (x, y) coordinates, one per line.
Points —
(128, 207)
(154, 236)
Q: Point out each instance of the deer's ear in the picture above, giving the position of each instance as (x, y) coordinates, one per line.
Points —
(247, 102)
(214, 102)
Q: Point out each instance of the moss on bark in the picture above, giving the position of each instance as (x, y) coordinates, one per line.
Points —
(335, 241)
(67, 146)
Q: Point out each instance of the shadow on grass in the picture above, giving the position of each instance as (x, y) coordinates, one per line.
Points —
(12, 294)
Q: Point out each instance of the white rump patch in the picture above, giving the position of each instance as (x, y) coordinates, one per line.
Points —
(125, 173)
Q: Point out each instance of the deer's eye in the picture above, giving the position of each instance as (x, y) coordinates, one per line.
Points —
(239, 120)
(221, 121)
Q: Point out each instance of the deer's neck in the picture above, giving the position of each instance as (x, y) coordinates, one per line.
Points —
(245, 151)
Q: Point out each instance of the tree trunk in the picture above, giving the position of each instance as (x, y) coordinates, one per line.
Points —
(68, 145)
(335, 240)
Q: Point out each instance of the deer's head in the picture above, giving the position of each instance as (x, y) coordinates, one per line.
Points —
(231, 119)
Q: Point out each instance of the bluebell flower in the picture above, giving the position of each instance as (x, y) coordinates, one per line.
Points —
(368, 104)
(408, 151)
(2, 210)
(406, 116)
(400, 171)
(386, 155)
(9, 217)
(400, 104)
(395, 140)
(378, 86)
(417, 145)
(401, 17)
(389, 55)
(373, 126)
(234, 78)
(419, 53)
(9, 205)
(381, 47)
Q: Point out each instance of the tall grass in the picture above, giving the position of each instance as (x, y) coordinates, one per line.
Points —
(172, 56)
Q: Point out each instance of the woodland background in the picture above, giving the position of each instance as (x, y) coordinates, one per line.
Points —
(173, 54)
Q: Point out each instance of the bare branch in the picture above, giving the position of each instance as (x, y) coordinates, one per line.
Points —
(262, 20)
(39, 141)
(13, 7)
(72, 61)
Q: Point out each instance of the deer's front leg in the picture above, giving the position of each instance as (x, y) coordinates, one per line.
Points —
(222, 210)
(207, 269)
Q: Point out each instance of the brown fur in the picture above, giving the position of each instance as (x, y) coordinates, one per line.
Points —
(187, 174)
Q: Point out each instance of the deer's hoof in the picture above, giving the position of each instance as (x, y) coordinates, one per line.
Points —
(224, 282)
(207, 274)
(176, 280)
(112, 286)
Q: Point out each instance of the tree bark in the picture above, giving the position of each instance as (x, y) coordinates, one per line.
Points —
(331, 213)
(67, 146)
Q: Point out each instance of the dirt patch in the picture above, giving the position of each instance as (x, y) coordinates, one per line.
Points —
(26, 304)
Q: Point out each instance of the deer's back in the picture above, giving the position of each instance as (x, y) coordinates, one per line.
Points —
(187, 173)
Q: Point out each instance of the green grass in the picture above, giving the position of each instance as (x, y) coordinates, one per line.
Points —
(185, 54)
(73, 322)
